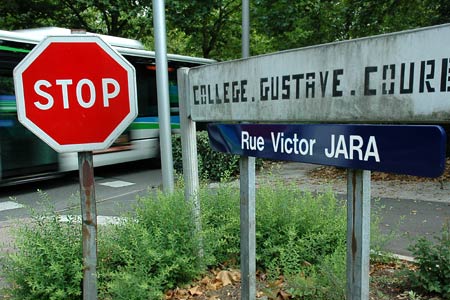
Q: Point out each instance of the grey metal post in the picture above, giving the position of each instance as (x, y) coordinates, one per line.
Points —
(358, 234)
(247, 194)
(248, 228)
(89, 224)
(245, 28)
(88, 218)
(159, 24)
(189, 150)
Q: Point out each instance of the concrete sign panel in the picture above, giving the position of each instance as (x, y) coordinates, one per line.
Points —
(401, 77)
(404, 149)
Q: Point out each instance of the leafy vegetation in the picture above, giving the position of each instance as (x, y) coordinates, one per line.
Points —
(157, 249)
(213, 28)
(433, 262)
(47, 264)
(212, 165)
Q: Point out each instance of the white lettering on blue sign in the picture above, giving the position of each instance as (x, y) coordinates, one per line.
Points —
(354, 145)
(350, 147)
(282, 144)
(251, 142)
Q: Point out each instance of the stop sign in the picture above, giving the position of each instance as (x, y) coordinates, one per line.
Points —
(75, 92)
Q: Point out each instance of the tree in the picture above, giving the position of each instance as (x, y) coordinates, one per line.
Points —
(208, 25)
(212, 28)
(124, 18)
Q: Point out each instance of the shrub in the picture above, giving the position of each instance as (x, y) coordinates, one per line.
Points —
(212, 165)
(47, 263)
(433, 262)
(296, 227)
(220, 224)
(299, 235)
(155, 250)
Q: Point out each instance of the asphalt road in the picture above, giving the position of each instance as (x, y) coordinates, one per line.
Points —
(118, 187)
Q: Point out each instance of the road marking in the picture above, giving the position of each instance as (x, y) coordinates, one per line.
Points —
(10, 205)
(117, 183)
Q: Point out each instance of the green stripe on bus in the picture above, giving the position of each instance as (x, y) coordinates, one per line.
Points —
(13, 49)
(8, 107)
(144, 126)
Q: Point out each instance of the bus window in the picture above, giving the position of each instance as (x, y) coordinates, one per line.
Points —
(147, 96)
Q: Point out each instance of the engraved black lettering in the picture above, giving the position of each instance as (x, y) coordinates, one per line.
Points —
(285, 87)
(274, 88)
(210, 99)
(264, 90)
(336, 82)
(235, 93)
(297, 78)
(386, 79)
(195, 93)
(425, 78)
(323, 82)
(218, 100)
(409, 89)
(203, 94)
(444, 75)
(243, 90)
(226, 86)
(310, 84)
(367, 90)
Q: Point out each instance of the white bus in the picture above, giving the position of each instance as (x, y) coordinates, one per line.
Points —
(24, 157)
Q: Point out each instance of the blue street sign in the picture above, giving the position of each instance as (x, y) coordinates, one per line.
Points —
(413, 149)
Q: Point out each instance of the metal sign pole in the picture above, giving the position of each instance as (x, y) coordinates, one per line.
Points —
(89, 224)
(247, 193)
(162, 81)
(358, 234)
(248, 228)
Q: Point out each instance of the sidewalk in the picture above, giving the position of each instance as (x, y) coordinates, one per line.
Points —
(394, 189)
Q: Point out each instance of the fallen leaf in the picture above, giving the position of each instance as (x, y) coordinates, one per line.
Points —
(282, 295)
(225, 277)
(195, 291)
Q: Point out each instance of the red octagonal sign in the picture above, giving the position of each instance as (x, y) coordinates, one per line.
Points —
(75, 92)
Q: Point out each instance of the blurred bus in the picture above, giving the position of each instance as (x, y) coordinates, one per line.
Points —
(24, 157)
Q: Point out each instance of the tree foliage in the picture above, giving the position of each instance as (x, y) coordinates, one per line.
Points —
(212, 28)
(208, 24)
(124, 18)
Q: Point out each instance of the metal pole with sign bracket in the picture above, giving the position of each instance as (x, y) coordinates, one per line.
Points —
(89, 224)
(358, 234)
(162, 82)
(247, 193)
(88, 218)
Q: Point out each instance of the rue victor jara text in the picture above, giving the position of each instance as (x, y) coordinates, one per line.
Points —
(352, 147)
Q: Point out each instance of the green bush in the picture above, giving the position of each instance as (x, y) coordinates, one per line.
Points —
(302, 236)
(47, 263)
(212, 165)
(155, 250)
(220, 224)
(299, 235)
(433, 262)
